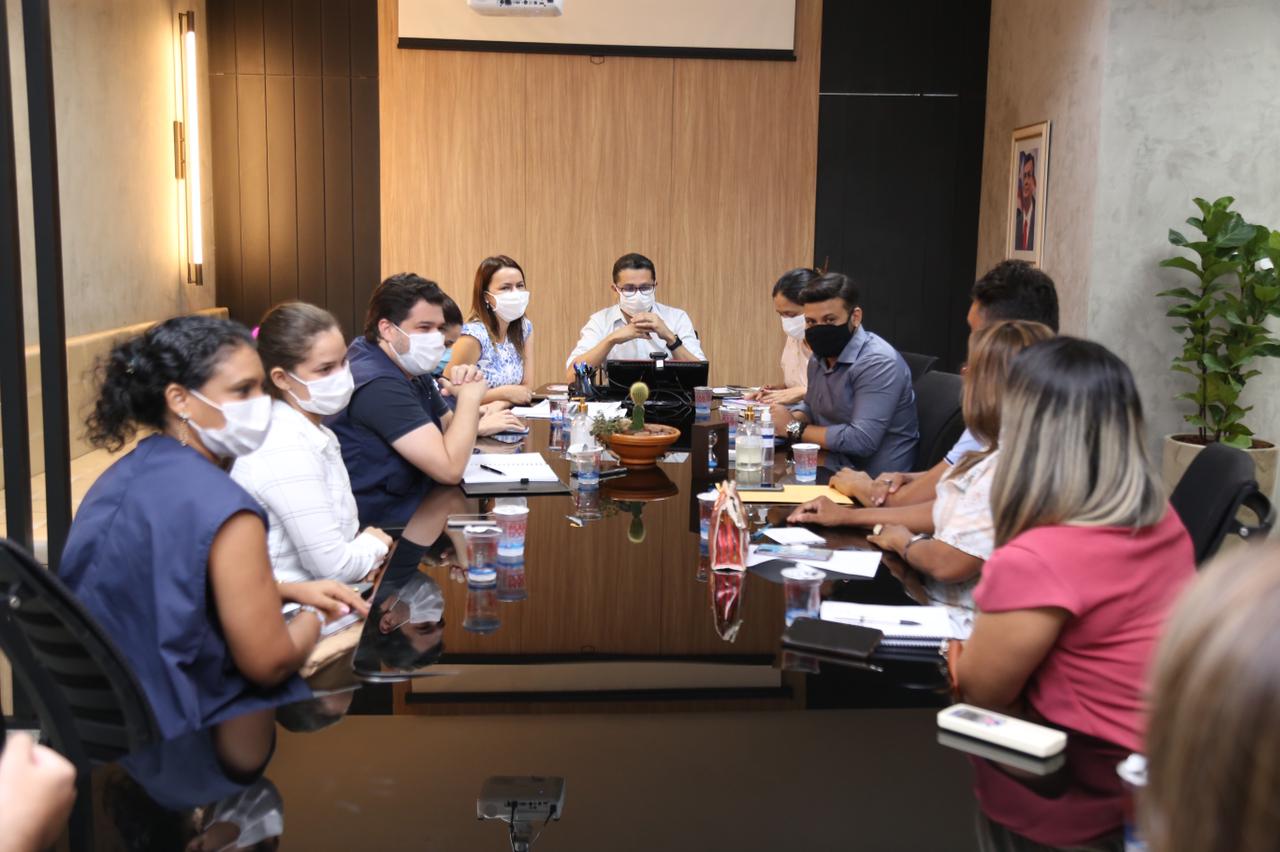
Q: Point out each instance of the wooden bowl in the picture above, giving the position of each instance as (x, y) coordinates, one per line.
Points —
(642, 449)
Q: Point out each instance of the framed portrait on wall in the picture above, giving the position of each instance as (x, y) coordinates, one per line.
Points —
(1028, 192)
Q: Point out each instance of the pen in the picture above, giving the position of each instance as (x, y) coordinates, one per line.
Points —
(492, 469)
(901, 622)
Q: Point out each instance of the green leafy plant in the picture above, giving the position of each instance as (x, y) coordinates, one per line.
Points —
(1221, 317)
(603, 427)
(639, 396)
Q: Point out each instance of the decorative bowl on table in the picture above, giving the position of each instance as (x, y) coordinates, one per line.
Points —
(643, 448)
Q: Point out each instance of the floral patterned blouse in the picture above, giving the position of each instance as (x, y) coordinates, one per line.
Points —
(962, 519)
(500, 363)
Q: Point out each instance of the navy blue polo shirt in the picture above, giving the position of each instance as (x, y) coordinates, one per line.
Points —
(386, 406)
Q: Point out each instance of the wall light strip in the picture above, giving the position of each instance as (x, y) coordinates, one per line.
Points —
(191, 138)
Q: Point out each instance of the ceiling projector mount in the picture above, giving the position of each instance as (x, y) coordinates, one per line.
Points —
(519, 8)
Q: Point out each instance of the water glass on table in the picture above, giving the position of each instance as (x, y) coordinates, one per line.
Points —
(513, 523)
(585, 467)
(730, 417)
(806, 458)
(706, 504)
(482, 545)
(702, 401)
(802, 587)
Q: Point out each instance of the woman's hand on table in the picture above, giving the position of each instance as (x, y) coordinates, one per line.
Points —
(853, 483)
(332, 598)
(516, 394)
(822, 511)
(893, 537)
(499, 421)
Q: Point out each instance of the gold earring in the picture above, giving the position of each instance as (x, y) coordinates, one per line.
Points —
(186, 431)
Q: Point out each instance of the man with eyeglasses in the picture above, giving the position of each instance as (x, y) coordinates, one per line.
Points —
(638, 325)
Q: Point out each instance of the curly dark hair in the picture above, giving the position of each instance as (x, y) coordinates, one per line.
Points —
(182, 350)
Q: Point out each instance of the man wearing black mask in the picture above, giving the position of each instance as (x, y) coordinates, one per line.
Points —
(859, 406)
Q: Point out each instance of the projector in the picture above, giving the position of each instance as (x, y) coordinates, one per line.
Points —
(524, 8)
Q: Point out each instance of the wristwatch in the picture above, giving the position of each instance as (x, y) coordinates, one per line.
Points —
(675, 344)
(794, 430)
(915, 538)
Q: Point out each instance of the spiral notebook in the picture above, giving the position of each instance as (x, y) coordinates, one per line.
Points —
(903, 626)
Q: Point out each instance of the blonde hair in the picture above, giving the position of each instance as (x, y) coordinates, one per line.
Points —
(1213, 740)
(1073, 448)
(991, 349)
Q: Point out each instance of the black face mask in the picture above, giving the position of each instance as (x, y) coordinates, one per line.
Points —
(828, 341)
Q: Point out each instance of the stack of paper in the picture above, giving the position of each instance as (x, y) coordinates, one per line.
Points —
(854, 563)
(542, 411)
(903, 626)
(487, 468)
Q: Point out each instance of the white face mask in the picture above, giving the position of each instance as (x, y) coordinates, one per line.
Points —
(794, 326)
(638, 303)
(248, 421)
(329, 394)
(510, 305)
(425, 351)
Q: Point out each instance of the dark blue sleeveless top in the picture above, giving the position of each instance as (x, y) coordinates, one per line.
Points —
(137, 558)
(387, 487)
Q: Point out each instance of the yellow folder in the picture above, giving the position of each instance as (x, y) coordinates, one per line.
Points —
(795, 494)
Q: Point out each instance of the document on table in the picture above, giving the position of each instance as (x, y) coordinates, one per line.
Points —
(514, 467)
(542, 411)
(794, 535)
(795, 494)
(922, 624)
(854, 563)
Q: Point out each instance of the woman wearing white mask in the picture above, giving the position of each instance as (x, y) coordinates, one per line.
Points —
(170, 555)
(795, 352)
(497, 339)
(297, 474)
(397, 434)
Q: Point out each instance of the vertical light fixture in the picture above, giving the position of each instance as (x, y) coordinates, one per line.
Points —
(187, 141)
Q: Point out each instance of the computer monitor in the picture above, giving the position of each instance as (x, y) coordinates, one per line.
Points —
(672, 381)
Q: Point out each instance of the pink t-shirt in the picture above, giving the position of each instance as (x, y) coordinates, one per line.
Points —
(1119, 585)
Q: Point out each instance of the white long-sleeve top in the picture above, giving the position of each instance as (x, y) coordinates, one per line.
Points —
(299, 478)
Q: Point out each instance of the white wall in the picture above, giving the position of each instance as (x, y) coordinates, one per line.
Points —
(114, 81)
(1153, 102)
(1191, 107)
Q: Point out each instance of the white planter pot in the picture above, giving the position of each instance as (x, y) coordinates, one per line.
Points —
(1178, 455)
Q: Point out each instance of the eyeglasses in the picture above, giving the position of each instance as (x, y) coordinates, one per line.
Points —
(631, 290)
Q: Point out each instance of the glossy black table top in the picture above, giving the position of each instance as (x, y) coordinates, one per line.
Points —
(610, 669)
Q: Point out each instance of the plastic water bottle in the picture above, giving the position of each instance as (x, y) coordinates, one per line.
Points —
(766, 447)
(746, 462)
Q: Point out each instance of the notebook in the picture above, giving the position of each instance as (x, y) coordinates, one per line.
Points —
(924, 627)
(508, 467)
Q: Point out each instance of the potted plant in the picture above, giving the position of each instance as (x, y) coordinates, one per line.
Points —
(635, 443)
(1221, 319)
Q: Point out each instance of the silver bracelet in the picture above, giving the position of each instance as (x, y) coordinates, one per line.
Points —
(319, 613)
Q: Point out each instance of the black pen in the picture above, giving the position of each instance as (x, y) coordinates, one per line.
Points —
(900, 622)
(491, 469)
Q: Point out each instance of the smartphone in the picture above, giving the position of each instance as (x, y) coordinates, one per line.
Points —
(832, 637)
(795, 551)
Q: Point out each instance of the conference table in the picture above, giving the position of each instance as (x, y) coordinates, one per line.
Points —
(659, 695)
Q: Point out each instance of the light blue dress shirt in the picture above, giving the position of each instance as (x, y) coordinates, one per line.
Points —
(867, 405)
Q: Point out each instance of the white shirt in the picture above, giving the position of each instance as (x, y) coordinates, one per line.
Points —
(299, 478)
(962, 518)
(602, 323)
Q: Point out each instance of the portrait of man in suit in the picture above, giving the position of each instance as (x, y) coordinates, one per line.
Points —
(1024, 223)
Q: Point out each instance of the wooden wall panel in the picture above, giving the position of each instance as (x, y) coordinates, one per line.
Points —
(567, 162)
(598, 155)
(289, 220)
(453, 159)
(742, 206)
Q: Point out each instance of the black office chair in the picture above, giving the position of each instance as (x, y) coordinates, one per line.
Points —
(89, 702)
(939, 415)
(1208, 497)
(919, 364)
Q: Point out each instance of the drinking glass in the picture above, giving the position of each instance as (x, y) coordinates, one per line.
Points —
(802, 588)
(706, 502)
(702, 401)
(482, 545)
(513, 523)
(806, 456)
(585, 465)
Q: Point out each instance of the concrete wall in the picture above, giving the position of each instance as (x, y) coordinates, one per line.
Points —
(114, 79)
(1045, 62)
(1153, 102)
(1191, 107)
(115, 72)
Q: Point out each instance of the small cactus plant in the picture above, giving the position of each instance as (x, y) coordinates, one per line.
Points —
(639, 395)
